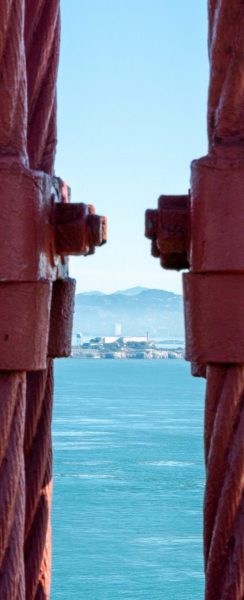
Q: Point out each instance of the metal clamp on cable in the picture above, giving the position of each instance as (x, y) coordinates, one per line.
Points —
(34, 249)
(214, 289)
(168, 228)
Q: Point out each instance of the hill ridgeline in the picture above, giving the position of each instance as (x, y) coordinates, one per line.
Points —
(136, 311)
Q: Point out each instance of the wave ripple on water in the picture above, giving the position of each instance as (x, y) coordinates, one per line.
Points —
(128, 481)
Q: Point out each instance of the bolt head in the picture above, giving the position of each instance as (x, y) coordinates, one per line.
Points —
(151, 224)
(168, 228)
(198, 370)
(71, 229)
(97, 227)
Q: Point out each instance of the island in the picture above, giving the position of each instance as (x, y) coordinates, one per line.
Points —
(120, 347)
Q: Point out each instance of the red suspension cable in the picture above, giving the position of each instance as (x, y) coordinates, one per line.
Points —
(42, 39)
(223, 511)
(13, 132)
(12, 486)
(13, 92)
(224, 416)
(226, 90)
(38, 462)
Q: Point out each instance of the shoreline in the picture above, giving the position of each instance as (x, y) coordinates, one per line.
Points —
(158, 354)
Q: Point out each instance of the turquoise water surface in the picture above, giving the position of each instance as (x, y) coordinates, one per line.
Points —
(128, 481)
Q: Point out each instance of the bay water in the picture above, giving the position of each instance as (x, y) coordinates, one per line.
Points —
(128, 481)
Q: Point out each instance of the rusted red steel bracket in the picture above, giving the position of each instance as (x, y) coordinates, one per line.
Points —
(186, 232)
(39, 228)
(168, 228)
(206, 234)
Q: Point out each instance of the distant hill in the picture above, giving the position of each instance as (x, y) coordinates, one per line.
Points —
(138, 310)
(131, 291)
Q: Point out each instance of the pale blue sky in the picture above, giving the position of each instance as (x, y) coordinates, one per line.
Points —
(132, 98)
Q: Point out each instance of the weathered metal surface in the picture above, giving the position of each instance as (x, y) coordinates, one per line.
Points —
(217, 216)
(214, 317)
(24, 325)
(13, 85)
(77, 229)
(12, 488)
(223, 502)
(37, 234)
(26, 232)
(38, 468)
(168, 228)
(42, 38)
(61, 318)
(226, 91)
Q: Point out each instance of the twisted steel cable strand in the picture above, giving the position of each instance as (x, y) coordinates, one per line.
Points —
(224, 413)
(42, 40)
(12, 486)
(226, 90)
(224, 507)
(42, 37)
(13, 131)
(13, 94)
(38, 465)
